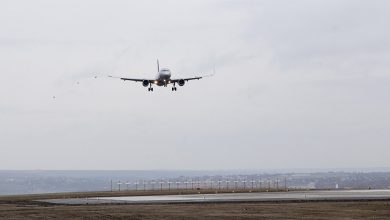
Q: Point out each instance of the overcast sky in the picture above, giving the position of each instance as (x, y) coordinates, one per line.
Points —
(298, 84)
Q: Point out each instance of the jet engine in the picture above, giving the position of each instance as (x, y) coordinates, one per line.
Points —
(145, 83)
(181, 82)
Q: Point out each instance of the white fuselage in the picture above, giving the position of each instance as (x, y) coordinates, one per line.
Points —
(163, 77)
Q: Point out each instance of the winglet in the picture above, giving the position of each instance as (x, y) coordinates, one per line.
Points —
(158, 66)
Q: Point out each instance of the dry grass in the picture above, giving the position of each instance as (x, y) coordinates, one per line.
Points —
(23, 207)
(226, 211)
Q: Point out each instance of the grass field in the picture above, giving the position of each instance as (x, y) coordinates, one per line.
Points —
(313, 210)
(24, 207)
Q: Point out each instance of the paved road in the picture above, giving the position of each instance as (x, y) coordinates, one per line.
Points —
(236, 197)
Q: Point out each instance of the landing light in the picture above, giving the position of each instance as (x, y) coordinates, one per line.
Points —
(155, 82)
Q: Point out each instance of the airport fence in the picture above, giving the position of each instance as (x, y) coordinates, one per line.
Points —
(193, 184)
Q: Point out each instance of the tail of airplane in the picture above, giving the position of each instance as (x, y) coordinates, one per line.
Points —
(158, 66)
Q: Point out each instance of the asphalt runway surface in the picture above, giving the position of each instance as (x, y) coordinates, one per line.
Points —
(314, 195)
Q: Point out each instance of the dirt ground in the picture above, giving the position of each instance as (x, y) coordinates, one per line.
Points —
(226, 211)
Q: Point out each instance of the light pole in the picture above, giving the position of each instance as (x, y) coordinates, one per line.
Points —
(119, 185)
(227, 184)
(269, 185)
(285, 184)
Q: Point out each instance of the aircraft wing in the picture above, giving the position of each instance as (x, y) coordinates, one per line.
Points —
(185, 79)
(191, 78)
(131, 79)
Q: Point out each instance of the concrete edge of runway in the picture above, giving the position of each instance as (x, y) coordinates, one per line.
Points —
(383, 195)
(90, 202)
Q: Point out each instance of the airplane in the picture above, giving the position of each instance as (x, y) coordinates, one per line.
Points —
(163, 78)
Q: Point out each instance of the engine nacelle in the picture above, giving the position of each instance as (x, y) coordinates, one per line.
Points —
(145, 83)
(181, 82)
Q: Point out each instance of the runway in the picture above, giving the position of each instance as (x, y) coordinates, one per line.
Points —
(235, 197)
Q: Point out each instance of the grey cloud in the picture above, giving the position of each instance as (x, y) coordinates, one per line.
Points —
(292, 77)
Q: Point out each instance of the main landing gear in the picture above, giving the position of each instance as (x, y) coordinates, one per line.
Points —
(174, 87)
(150, 89)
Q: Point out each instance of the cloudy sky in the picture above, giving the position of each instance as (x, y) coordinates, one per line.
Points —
(298, 84)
